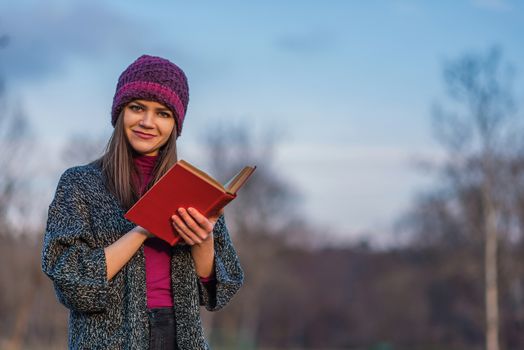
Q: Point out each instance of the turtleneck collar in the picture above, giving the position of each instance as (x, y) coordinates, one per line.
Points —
(145, 164)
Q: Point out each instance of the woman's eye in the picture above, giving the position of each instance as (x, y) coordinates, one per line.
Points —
(135, 108)
(164, 115)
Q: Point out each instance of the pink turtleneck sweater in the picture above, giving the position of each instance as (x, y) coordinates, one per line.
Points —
(157, 252)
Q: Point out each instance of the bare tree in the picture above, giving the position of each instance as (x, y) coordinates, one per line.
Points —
(268, 201)
(14, 147)
(18, 265)
(475, 133)
(262, 218)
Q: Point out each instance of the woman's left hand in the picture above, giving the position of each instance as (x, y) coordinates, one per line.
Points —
(193, 227)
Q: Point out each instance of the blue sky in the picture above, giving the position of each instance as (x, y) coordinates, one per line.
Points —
(346, 85)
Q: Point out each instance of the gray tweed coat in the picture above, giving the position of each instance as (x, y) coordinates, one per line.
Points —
(83, 219)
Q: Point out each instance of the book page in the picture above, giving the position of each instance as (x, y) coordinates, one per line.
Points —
(233, 185)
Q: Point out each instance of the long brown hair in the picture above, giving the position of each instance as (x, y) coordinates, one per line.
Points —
(119, 169)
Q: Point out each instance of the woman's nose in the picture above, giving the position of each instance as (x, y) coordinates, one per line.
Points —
(147, 119)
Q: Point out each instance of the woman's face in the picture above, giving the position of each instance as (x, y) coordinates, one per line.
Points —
(148, 126)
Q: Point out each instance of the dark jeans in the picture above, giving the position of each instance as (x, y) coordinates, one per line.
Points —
(162, 329)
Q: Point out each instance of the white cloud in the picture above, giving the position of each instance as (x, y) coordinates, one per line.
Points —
(350, 190)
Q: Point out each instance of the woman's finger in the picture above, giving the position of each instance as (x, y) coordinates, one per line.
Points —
(186, 239)
(187, 235)
(190, 223)
(201, 220)
(182, 225)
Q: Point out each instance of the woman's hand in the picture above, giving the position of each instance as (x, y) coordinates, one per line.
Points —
(193, 227)
(197, 231)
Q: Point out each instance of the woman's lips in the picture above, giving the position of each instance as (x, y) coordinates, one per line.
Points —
(143, 135)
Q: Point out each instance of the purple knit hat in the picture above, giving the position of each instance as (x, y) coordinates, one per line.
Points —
(155, 79)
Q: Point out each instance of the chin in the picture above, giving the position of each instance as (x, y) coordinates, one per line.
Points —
(143, 149)
(148, 153)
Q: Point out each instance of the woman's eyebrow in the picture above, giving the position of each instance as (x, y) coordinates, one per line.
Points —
(163, 109)
(158, 109)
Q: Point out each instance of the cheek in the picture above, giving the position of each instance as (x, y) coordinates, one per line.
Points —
(126, 123)
(166, 127)
(129, 119)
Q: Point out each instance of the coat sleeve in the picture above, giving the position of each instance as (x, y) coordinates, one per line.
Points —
(228, 272)
(69, 256)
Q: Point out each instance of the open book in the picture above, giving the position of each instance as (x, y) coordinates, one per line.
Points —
(183, 186)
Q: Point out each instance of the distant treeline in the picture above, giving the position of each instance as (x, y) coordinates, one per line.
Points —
(346, 298)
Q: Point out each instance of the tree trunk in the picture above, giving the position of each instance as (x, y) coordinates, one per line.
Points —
(491, 266)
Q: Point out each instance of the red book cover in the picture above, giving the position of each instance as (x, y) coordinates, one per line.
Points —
(182, 186)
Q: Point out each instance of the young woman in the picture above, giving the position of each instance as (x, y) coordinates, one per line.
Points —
(126, 289)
